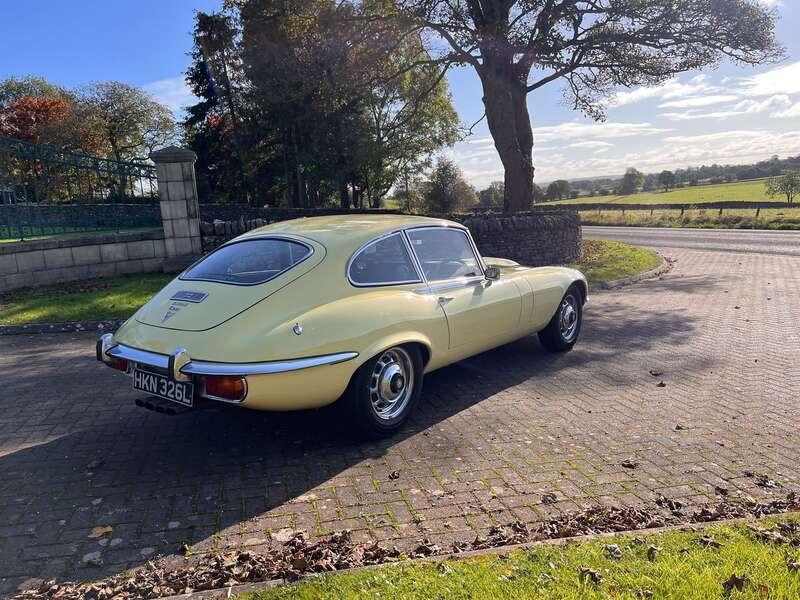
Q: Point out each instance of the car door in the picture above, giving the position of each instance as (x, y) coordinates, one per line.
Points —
(480, 313)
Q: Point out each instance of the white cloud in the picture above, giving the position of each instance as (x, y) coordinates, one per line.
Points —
(172, 92)
(594, 131)
(699, 101)
(592, 145)
(791, 112)
(780, 80)
(671, 89)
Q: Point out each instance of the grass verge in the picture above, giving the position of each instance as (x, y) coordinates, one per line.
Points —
(94, 300)
(772, 218)
(721, 561)
(603, 261)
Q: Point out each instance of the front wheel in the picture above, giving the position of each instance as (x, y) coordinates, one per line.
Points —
(564, 328)
(384, 390)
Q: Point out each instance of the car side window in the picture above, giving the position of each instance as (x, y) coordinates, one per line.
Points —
(383, 262)
(444, 253)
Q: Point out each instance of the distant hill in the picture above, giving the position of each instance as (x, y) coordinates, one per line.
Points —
(692, 176)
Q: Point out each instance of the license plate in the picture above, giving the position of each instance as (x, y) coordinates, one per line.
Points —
(163, 387)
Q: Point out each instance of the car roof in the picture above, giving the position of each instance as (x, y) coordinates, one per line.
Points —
(347, 232)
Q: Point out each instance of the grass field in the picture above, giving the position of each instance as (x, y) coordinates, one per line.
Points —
(771, 218)
(94, 300)
(745, 191)
(722, 561)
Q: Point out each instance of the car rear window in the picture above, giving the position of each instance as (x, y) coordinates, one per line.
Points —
(249, 262)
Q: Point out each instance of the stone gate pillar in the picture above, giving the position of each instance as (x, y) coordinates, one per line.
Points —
(180, 213)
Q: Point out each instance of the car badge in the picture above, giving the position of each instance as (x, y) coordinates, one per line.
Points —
(172, 311)
(190, 296)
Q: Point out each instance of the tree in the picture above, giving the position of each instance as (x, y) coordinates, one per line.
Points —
(667, 180)
(492, 197)
(593, 45)
(787, 185)
(538, 193)
(631, 182)
(650, 183)
(131, 123)
(25, 117)
(558, 190)
(14, 88)
(446, 190)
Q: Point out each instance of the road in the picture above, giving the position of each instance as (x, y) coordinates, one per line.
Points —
(786, 243)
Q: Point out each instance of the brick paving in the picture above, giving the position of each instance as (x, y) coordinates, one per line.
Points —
(491, 436)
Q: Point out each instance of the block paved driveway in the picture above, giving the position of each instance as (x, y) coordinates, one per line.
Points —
(492, 434)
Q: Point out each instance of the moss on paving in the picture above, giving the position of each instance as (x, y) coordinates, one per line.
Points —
(681, 565)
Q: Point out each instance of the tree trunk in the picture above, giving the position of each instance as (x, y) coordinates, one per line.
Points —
(344, 197)
(504, 97)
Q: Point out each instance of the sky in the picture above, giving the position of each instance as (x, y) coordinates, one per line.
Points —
(733, 114)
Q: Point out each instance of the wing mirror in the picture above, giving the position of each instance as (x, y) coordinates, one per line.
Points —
(492, 273)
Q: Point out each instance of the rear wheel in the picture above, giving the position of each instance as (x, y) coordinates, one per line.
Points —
(564, 328)
(384, 390)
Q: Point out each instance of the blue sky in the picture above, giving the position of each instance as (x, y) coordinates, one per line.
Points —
(729, 115)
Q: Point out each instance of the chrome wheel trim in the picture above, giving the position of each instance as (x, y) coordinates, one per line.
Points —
(391, 383)
(568, 318)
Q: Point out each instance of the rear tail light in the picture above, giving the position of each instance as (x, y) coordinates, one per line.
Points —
(118, 363)
(224, 387)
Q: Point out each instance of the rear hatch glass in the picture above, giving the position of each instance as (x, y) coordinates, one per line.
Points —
(228, 281)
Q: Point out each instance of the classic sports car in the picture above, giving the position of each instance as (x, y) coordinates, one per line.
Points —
(299, 314)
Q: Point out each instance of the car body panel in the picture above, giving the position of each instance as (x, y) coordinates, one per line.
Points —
(260, 323)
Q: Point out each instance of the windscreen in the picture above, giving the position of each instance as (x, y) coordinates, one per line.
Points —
(249, 262)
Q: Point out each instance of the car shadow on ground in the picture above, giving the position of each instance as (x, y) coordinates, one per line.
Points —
(161, 481)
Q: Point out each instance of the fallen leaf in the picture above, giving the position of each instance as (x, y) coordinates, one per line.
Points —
(709, 542)
(591, 575)
(98, 532)
(444, 568)
(652, 552)
(735, 582)
(613, 551)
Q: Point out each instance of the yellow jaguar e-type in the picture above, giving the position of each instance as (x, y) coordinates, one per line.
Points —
(302, 313)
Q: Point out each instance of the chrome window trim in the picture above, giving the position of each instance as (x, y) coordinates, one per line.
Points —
(199, 367)
(384, 236)
(451, 284)
(309, 247)
(457, 281)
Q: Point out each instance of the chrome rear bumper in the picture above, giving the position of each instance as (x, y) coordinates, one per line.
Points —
(106, 347)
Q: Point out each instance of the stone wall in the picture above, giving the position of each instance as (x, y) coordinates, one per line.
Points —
(540, 238)
(534, 239)
(50, 261)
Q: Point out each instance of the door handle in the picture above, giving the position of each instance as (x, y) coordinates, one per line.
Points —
(445, 299)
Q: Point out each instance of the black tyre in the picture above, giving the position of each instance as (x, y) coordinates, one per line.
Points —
(384, 391)
(564, 328)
